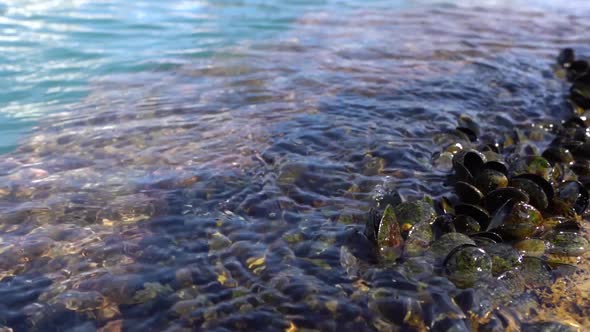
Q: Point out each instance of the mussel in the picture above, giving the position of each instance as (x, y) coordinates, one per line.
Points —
(467, 164)
(532, 165)
(517, 220)
(467, 264)
(468, 193)
(504, 257)
(495, 199)
(489, 179)
(575, 194)
(566, 57)
(475, 212)
(441, 248)
(567, 243)
(537, 196)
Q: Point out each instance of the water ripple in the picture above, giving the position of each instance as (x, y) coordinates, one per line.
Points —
(185, 190)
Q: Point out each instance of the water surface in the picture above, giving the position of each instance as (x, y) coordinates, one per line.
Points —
(171, 186)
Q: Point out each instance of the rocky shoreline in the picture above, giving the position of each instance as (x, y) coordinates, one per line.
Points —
(513, 232)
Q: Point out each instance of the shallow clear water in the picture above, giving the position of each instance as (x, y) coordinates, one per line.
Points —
(201, 164)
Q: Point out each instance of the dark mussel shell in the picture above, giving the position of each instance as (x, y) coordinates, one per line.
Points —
(555, 154)
(469, 133)
(467, 122)
(581, 167)
(372, 225)
(468, 193)
(562, 209)
(492, 236)
(457, 136)
(575, 194)
(418, 239)
(459, 156)
(497, 165)
(582, 151)
(493, 147)
(541, 182)
(567, 143)
(577, 69)
(500, 214)
(490, 156)
(444, 206)
(489, 180)
(566, 57)
(389, 197)
(490, 142)
(537, 196)
(568, 225)
(443, 224)
(579, 134)
(585, 181)
(462, 173)
(387, 234)
(475, 212)
(574, 122)
(471, 160)
(466, 224)
(413, 212)
(580, 91)
(474, 161)
(495, 199)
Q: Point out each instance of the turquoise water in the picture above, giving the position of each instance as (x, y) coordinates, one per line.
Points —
(52, 51)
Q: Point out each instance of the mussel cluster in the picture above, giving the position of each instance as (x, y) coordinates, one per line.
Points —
(515, 215)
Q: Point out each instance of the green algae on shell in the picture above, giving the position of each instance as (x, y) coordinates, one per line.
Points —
(558, 154)
(489, 180)
(531, 247)
(518, 220)
(389, 237)
(467, 264)
(466, 224)
(419, 239)
(533, 165)
(411, 213)
(416, 267)
(504, 257)
(536, 272)
(446, 243)
(567, 243)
